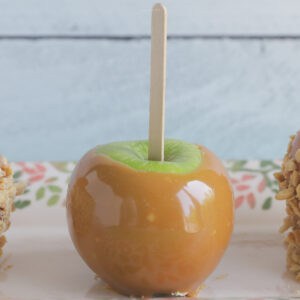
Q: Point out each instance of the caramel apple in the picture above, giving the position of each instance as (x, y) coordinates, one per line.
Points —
(149, 227)
(289, 190)
(151, 217)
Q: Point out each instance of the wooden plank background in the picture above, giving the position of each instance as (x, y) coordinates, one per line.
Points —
(76, 73)
(131, 17)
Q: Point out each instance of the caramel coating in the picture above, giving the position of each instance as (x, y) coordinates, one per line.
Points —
(147, 233)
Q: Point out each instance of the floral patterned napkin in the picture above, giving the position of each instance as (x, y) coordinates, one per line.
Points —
(253, 182)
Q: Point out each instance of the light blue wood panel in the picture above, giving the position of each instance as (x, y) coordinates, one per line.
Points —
(60, 98)
(127, 17)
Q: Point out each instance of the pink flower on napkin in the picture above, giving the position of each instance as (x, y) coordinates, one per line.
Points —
(242, 189)
(35, 171)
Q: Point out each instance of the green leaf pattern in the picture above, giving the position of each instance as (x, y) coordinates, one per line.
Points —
(40, 193)
(267, 203)
(19, 204)
(53, 200)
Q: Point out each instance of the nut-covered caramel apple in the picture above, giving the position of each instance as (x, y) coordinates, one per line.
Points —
(289, 189)
(8, 191)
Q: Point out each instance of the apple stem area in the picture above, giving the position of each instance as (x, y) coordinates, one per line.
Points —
(158, 83)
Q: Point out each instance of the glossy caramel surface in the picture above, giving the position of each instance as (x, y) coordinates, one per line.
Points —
(150, 233)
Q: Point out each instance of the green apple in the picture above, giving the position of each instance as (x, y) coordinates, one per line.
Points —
(180, 157)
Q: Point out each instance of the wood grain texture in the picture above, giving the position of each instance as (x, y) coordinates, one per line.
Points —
(156, 138)
(132, 17)
(60, 98)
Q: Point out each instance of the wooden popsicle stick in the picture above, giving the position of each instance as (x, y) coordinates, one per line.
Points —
(158, 83)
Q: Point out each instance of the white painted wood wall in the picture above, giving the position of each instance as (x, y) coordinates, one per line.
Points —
(75, 73)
